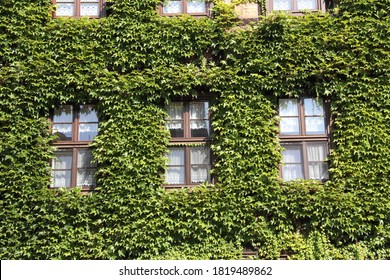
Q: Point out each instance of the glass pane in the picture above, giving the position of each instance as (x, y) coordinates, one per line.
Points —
(175, 128)
(307, 5)
(175, 156)
(282, 5)
(65, 9)
(200, 174)
(315, 125)
(86, 177)
(175, 110)
(199, 110)
(200, 155)
(196, 6)
(292, 172)
(61, 179)
(89, 9)
(63, 160)
(313, 107)
(174, 175)
(200, 128)
(316, 151)
(87, 131)
(288, 107)
(289, 126)
(291, 154)
(85, 158)
(63, 131)
(88, 114)
(63, 114)
(318, 171)
(172, 7)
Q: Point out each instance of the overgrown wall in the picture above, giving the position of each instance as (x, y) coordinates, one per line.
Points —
(131, 63)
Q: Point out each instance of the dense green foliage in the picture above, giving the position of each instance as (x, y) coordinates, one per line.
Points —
(131, 63)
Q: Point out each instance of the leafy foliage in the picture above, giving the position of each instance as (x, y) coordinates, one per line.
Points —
(131, 63)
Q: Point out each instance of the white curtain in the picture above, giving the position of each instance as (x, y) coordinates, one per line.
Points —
(307, 5)
(61, 179)
(196, 6)
(63, 160)
(316, 153)
(292, 162)
(200, 164)
(282, 5)
(89, 8)
(175, 173)
(65, 8)
(172, 7)
(86, 177)
(87, 131)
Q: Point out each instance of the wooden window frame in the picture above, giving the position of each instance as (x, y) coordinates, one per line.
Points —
(187, 142)
(77, 4)
(184, 5)
(302, 139)
(73, 145)
(321, 4)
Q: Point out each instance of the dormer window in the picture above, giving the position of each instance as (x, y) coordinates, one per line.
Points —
(178, 7)
(78, 8)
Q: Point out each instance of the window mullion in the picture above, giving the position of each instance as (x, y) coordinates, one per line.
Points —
(74, 168)
(184, 4)
(187, 162)
(301, 116)
(305, 161)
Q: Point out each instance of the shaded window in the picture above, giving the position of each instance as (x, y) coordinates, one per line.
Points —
(189, 158)
(296, 6)
(79, 8)
(304, 137)
(191, 7)
(73, 165)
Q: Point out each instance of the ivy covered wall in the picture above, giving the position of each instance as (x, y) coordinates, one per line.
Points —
(132, 62)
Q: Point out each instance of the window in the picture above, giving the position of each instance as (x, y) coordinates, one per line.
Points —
(191, 7)
(304, 137)
(296, 6)
(189, 158)
(73, 165)
(79, 8)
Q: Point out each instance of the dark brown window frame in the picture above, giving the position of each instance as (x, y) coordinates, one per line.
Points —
(295, 11)
(73, 145)
(184, 10)
(304, 139)
(77, 4)
(187, 142)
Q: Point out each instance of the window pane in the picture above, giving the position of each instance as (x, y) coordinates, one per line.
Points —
(318, 171)
(87, 131)
(88, 114)
(292, 172)
(288, 107)
(196, 6)
(86, 177)
(283, 5)
(289, 126)
(89, 9)
(63, 160)
(172, 7)
(199, 110)
(313, 107)
(85, 158)
(63, 114)
(316, 151)
(65, 9)
(175, 175)
(200, 128)
(307, 4)
(175, 122)
(175, 156)
(63, 131)
(61, 179)
(175, 128)
(291, 154)
(315, 125)
(200, 155)
(200, 174)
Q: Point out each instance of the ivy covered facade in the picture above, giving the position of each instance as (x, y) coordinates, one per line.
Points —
(278, 132)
